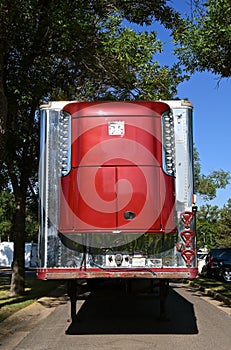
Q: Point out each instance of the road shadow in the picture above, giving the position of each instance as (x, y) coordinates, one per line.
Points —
(109, 310)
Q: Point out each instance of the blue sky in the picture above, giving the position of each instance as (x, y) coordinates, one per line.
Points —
(212, 125)
(212, 112)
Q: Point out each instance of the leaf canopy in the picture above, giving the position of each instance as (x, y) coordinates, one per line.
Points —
(204, 41)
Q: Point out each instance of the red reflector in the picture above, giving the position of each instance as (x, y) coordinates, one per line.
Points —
(187, 237)
(188, 256)
(187, 218)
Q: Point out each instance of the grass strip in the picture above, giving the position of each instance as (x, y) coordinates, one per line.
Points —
(34, 289)
(223, 288)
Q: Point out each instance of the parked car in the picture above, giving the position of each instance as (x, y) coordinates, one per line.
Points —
(218, 264)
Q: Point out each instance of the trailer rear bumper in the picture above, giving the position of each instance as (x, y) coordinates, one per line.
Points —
(161, 273)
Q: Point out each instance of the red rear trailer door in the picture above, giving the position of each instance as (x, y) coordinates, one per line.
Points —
(138, 198)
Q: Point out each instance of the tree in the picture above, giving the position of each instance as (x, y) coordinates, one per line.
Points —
(3, 110)
(207, 226)
(141, 12)
(204, 39)
(66, 50)
(48, 27)
(224, 236)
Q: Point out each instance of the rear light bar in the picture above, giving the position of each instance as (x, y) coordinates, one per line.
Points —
(64, 143)
(168, 147)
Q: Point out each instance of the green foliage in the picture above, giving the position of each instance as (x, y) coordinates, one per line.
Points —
(205, 40)
(7, 210)
(144, 11)
(133, 73)
(207, 226)
(214, 226)
(224, 238)
(6, 214)
(82, 49)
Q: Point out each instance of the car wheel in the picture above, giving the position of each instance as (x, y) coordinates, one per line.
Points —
(225, 275)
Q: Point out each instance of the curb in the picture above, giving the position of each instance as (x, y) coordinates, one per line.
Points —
(211, 293)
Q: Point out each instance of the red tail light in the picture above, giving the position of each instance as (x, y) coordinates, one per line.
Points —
(210, 261)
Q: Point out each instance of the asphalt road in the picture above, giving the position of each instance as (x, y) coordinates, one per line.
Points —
(107, 318)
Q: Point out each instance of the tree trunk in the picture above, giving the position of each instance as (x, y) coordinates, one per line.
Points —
(18, 267)
(19, 170)
(3, 107)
